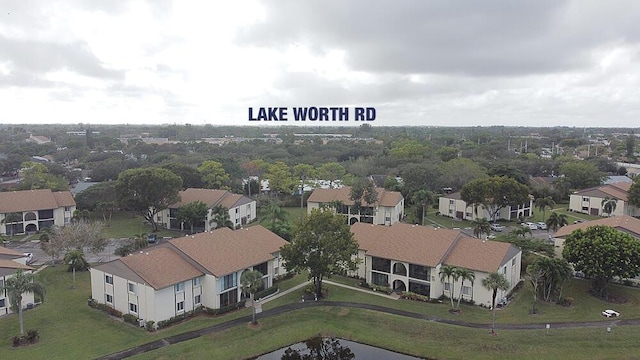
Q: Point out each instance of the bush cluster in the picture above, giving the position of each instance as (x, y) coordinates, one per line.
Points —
(31, 337)
(106, 308)
(266, 292)
(413, 296)
(149, 325)
(131, 319)
(565, 301)
(278, 278)
(226, 309)
(179, 318)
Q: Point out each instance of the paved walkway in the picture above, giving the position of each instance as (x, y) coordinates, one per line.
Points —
(308, 304)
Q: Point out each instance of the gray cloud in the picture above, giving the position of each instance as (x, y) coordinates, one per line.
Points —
(479, 38)
(39, 58)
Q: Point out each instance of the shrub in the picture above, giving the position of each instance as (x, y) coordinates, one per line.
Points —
(226, 309)
(565, 301)
(131, 319)
(364, 284)
(32, 336)
(266, 292)
(413, 296)
(149, 325)
(283, 277)
(16, 340)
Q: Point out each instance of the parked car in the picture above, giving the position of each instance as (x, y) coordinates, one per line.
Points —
(29, 257)
(542, 226)
(497, 227)
(610, 313)
(531, 225)
(152, 238)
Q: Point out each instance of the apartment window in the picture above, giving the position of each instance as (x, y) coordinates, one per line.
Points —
(466, 290)
(248, 208)
(133, 308)
(196, 300)
(132, 287)
(451, 202)
(197, 281)
(585, 199)
(179, 287)
(585, 208)
(2, 303)
(263, 268)
(228, 282)
(379, 264)
(447, 286)
(67, 208)
(108, 298)
(419, 272)
(380, 279)
(450, 211)
(513, 262)
(1, 284)
(108, 279)
(229, 297)
(180, 306)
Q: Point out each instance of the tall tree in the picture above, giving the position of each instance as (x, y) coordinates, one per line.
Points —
(221, 217)
(332, 172)
(630, 144)
(193, 212)
(148, 191)
(535, 274)
(10, 220)
(609, 205)
(323, 245)
(422, 198)
(273, 213)
(603, 253)
(556, 220)
(581, 174)
(481, 226)
(521, 230)
(214, 175)
(464, 274)
(37, 176)
(76, 261)
(304, 172)
(448, 273)
(191, 177)
(280, 178)
(251, 282)
(495, 194)
(543, 203)
(494, 282)
(20, 283)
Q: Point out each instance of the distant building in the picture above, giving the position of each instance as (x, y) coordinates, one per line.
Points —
(590, 201)
(38, 139)
(452, 205)
(32, 210)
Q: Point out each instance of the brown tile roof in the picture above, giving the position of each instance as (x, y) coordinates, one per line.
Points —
(9, 253)
(475, 254)
(211, 197)
(10, 264)
(385, 197)
(623, 223)
(224, 251)
(415, 244)
(161, 267)
(617, 190)
(33, 200)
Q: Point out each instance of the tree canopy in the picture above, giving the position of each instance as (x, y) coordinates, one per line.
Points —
(323, 245)
(148, 191)
(603, 253)
(495, 193)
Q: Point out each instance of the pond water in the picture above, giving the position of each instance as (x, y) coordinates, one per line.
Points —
(319, 348)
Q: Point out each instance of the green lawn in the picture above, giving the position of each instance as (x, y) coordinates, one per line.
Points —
(124, 225)
(70, 329)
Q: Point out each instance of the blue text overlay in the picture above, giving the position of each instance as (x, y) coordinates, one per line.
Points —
(312, 113)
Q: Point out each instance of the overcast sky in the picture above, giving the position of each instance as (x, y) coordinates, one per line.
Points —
(434, 63)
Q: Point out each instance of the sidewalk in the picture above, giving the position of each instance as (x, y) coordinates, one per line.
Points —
(393, 296)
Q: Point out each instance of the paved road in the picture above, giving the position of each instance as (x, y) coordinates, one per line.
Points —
(32, 245)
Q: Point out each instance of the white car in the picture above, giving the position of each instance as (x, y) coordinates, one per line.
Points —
(542, 226)
(531, 226)
(497, 227)
(610, 313)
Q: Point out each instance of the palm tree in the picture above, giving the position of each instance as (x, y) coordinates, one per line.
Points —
(543, 203)
(481, 226)
(556, 220)
(251, 281)
(10, 219)
(609, 205)
(494, 282)
(448, 272)
(16, 286)
(521, 231)
(423, 198)
(221, 217)
(464, 274)
(274, 212)
(75, 260)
